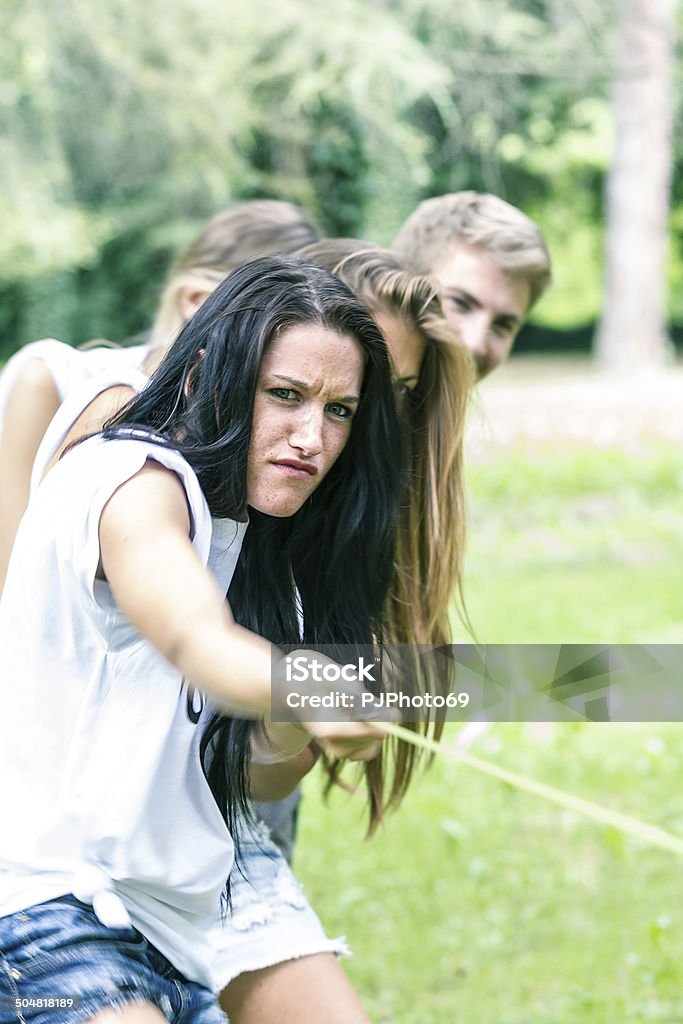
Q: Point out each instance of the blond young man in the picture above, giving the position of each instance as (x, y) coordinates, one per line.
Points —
(492, 264)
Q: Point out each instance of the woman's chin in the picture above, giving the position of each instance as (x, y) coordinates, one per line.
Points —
(278, 508)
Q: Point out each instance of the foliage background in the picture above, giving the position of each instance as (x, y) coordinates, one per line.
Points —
(125, 126)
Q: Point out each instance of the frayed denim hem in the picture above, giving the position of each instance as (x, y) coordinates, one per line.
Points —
(260, 960)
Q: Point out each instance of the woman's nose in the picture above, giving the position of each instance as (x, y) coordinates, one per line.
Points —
(307, 432)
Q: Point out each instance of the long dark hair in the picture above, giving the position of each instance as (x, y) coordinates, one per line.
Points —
(338, 549)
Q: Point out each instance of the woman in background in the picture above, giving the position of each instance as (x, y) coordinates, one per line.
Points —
(37, 380)
(432, 374)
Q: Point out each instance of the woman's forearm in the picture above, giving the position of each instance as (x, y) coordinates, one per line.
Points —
(271, 782)
(161, 585)
(31, 404)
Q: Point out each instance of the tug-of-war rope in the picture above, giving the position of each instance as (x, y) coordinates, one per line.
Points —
(651, 834)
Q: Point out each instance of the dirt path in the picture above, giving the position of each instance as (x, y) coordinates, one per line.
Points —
(563, 401)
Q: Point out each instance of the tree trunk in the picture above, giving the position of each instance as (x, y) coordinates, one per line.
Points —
(632, 334)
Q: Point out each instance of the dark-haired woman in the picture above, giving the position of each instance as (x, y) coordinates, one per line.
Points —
(119, 657)
(272, 948)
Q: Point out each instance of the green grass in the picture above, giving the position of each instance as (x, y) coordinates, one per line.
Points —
(577, 546)
(478, 903)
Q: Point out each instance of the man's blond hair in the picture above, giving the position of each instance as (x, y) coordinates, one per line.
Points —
(510, 238)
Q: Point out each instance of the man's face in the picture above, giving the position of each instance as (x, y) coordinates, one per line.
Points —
(484, 303)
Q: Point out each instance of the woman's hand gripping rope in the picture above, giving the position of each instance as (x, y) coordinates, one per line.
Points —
(335, 714)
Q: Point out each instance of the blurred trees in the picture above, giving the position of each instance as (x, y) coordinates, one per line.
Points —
(633, 329)
(125, 126)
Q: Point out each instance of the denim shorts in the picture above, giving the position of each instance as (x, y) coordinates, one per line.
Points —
(60, 965)
(271, 920)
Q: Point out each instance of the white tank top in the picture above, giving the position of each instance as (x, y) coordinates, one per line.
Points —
(114, 374)
(68, 366)
(103, 791)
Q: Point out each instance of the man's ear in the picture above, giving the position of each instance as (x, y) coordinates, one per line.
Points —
(190, 299)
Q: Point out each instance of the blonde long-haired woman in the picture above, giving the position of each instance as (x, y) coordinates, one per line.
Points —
(433, 374)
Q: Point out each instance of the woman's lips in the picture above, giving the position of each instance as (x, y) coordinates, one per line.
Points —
(296, 469)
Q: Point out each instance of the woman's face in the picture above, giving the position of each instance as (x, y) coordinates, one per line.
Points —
(406, 347)
(307, 393)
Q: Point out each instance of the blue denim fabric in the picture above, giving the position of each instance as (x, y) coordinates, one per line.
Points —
(60, 951)
(270, 920)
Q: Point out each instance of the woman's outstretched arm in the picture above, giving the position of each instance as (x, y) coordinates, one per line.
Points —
(166, 592)
(31, 404)
(160, 583)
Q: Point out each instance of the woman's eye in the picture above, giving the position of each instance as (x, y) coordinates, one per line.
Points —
(460, 304)
(405, 386)
(342, 411)
(285, 393)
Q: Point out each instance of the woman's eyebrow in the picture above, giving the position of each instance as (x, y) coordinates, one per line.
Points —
(305, 387)
(291, 380)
